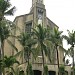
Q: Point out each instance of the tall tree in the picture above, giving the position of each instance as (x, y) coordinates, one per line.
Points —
(5, 30)
(5, 8)
(8, 63)
(56, 39)
(27, 43)
(71, 41)
(40, 34)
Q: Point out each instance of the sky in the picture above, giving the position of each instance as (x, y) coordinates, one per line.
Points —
(61, 12)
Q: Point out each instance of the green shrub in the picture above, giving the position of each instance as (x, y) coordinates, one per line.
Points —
(46, 70)
(62, 70)
(29, 70)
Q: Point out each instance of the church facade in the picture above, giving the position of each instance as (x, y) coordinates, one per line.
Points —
(37, 15)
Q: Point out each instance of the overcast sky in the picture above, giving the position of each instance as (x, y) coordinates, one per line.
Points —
(61, 12)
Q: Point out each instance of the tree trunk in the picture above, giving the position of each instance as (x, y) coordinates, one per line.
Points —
(0, 57)
(2, 49)
(0, 65)
(73, 59)
(57, 59)
(42, 58)
(28, 62)
(28, 68)
(0, 18)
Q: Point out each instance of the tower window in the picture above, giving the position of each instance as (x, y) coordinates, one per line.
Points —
(28, 27)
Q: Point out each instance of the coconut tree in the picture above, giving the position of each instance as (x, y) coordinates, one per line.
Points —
(4, 11)
(6, 27)
(27, 43)
(56, 39)
(71, 41)
(5, 31)
(8, 63)
(5, 8)
(40, 34)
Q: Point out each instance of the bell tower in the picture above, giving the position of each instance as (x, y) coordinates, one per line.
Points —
(39, 12)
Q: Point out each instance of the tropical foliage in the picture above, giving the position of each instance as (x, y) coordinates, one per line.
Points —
(40, 34)
(4, 24)
(27, 43)
(5, 8)
(46, 70)
(8, 63)
(71, 41)
(29, 70)
(40, 40)
(62, 70)
(56, 39)
(6, 28)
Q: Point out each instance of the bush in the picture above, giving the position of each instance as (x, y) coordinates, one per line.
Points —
(62, 70)
(46, 70)
(29, 70)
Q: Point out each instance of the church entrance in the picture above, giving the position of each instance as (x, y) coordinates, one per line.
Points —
(52, 73)
(37, 72)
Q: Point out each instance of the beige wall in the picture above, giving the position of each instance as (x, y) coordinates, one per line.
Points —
(20, 22)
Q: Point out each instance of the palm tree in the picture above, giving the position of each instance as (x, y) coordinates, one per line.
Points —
(5, 8)
(8, 63)
(6, 27)
(40, 34)
(56, 39)
(27, 43)
(71, 41)
(5, 31)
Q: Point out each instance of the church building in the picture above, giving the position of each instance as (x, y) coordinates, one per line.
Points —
(37, 15)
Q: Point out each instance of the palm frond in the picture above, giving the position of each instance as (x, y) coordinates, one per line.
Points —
(36, 50)
(12, 45)
(20, 53)
(62, 49)
(10, 12)
(70, 38)
(35, 32)
(13, 70)
(4, 8)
